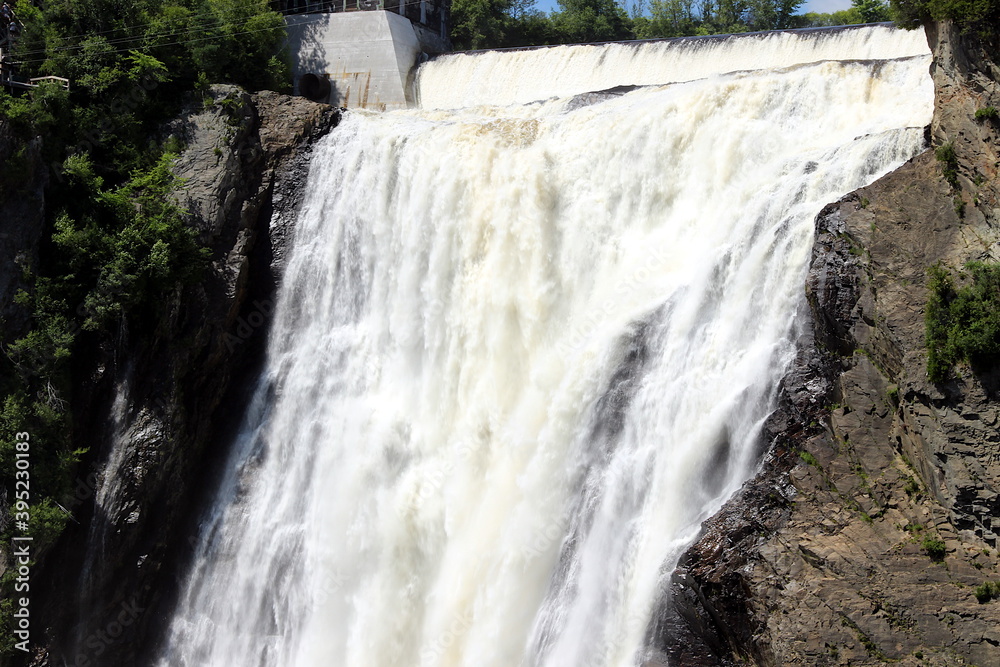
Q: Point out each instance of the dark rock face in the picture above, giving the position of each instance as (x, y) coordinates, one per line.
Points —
(821, 559)
(22, 219)
(163, 405)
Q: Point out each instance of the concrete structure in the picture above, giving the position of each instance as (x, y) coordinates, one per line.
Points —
(431, 15)
(368, 57)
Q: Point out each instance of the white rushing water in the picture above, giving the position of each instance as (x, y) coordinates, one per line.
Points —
(528, 75)
(519, 355)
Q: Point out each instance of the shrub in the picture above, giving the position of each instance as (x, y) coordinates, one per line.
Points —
(960, 205)
(937, 323)
(949, 163)
(963, 324)
(934, 547)
(987, 591)
(987, 113)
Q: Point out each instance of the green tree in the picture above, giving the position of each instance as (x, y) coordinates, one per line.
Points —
(772, 14)
(978, 17)
(963, 324)
(116, 246)
(675, 18)
(591, 21)
(871, 11)
(818, 20)
(241, 45)
(730, 16)
(480, 24)
(530, 28)
(670, 18)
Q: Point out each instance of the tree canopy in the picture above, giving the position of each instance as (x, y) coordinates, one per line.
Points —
(130, 63)
(482, 24)
(977, 17)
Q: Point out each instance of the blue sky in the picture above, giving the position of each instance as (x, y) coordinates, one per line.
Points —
(824, 6)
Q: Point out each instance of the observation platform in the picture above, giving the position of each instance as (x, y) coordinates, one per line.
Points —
(10, 30)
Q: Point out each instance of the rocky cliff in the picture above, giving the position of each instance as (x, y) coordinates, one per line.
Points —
(876, 512)
(153, 416)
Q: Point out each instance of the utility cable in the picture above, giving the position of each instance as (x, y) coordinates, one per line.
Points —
(190, 30)
(221, 21)
(120, 40)
(155, 46)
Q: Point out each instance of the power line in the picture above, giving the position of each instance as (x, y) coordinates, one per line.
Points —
(221, 23)
(137, 25)
(190, 41)
(190, 29)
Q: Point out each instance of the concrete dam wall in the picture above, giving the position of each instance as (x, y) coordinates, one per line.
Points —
(361, 60)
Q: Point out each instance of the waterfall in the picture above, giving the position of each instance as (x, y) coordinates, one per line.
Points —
(520, 76)
(521, 352)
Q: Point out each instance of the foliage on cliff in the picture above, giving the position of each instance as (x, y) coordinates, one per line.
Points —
(115, 247)
(116, 244)
(130, 64)
(963, 323)
(980, 18)
(115, 254)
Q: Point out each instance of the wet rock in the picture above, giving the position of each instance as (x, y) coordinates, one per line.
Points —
(840, 573)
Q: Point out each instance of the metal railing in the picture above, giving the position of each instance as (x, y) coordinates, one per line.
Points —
(329, 6)
(10, 30)
(425, 12)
